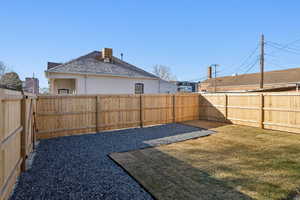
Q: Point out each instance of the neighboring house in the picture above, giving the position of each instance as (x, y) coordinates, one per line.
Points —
(187, 86)
(274, 81)
(102, 73)
(31, 85)
(11, 80)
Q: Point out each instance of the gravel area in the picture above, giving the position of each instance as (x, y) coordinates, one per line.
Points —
(78, 167)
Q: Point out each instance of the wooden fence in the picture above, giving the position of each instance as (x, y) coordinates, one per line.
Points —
(23, 118)
(77, 114)
(277, 111)
(16, 136)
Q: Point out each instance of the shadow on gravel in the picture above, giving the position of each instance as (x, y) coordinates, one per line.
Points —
(77, 167)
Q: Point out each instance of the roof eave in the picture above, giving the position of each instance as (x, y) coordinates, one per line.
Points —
(102, 75)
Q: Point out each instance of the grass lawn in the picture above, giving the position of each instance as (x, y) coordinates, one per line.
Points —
(238, 162)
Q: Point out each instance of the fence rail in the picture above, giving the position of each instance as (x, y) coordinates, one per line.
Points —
(23, 118)
(77, 114)
(16, 136)
(277, 111)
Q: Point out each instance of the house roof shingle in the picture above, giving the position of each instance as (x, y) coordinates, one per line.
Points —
(52, 64)
(271, 77)
(90, 64)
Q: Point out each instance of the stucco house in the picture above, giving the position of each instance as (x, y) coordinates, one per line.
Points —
(102, 73)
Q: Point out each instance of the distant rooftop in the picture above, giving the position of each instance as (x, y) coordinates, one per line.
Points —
(278, 76)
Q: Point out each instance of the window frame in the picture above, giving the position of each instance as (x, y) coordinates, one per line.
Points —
(139, 88)
(63, 89)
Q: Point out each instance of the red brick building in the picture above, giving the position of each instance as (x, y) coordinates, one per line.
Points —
(31, 85)
(279, 80)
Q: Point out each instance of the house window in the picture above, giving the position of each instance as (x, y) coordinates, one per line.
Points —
(63, 91)
(139, 88)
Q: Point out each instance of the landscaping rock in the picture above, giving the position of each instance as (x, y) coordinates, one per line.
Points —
(77, 167)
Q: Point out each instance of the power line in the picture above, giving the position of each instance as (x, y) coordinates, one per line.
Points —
(283, 49)
(288, 44)
(245, 60)
(290, 48)
(252, 53)
(282, 46)
(198, 79)
(275, 64)
(277, 46)
(251, 65)
(266, 54)
(293, 42)
(280, 65)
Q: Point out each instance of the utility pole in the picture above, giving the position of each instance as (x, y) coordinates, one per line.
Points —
(262, 60)
(215, 79)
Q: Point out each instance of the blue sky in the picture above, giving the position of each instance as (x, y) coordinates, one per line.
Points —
(186, 35)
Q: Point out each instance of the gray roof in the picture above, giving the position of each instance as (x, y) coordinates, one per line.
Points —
(90, 64)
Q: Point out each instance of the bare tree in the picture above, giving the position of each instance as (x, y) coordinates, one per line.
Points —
(3, 69)
(164, 72)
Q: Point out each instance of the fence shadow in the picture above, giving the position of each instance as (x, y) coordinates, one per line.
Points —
(206, 124)
(168, 178)
(212, 112)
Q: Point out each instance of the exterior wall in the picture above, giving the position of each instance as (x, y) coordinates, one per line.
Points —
(69, 84)
(79, 82)
(106, 85)
(203, 87)
(31, 85)
(110, 85)
(232, 88)
(167, 87)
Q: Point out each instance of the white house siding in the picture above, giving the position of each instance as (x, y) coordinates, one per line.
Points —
(167, 87)
(107, 85)
(114, 85)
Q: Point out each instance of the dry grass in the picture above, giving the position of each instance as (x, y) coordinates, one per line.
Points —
(238, 162)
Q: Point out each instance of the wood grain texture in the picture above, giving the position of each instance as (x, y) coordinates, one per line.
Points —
(268, 110)
(67, 115)
(16, 136)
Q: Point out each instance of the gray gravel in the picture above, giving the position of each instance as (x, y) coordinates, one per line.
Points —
(77, 167)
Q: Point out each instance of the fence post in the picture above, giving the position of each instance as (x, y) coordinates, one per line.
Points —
(199, 106)
(226, 107)
(174, 108)
(35, 103)
(2, 121)
(32, 123)
(261, 111)
(97, 112)
(23, 133)
(141, 111)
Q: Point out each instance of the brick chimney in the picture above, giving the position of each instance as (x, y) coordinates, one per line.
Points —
(107, 54)
(209, 72)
